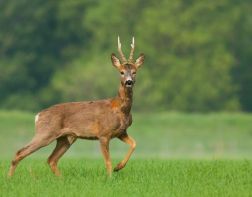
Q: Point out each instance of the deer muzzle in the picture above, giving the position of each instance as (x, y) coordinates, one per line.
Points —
(129, 83)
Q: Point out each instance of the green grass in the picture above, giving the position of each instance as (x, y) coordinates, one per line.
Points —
(159, 135)
(87, 177)
(176, 155)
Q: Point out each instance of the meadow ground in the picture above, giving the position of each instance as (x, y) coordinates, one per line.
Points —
(86, 177)
(177, 155)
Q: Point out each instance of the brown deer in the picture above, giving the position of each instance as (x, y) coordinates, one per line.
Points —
(94, 120)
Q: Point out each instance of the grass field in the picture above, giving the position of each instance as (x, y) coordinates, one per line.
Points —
(160, 135)
(86, 177)
(177, 155)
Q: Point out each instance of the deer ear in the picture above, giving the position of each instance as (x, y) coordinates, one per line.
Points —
(115, 61)
(139, 61)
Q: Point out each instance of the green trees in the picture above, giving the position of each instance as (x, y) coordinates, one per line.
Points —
(189, 45)
(197, 53)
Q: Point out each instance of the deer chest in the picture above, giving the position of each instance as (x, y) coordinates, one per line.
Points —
(125, 122)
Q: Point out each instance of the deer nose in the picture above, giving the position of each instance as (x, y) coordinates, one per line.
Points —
(129, 82)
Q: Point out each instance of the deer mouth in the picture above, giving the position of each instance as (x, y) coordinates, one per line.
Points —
(129, 83)
(129, 86)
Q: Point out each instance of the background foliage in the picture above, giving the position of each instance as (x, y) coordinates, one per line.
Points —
(198, 53)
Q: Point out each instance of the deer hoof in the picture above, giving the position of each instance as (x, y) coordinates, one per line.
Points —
(118, 167)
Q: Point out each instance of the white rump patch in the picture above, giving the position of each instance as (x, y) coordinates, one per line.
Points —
(36, 118)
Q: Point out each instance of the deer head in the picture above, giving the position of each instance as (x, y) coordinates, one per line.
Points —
(127, 68)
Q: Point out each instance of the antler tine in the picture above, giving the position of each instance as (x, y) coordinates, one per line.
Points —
(120, 51)
(131, 58)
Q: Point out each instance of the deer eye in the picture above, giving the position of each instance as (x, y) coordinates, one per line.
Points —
(133, 73)
(122, 73)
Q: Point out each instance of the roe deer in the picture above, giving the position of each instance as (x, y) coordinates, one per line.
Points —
(94, 120)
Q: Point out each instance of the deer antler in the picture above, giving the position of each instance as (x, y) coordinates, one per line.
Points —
(131, 60)
(120, 51)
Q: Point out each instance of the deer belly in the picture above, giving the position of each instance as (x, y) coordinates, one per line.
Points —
(93, 127)
(89, 131)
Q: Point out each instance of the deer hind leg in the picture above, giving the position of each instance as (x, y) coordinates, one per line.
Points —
(36, 143)
(128, 140)
(63, 144)
(104, 143)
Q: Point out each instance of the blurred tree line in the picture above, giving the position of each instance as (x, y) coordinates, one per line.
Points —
(198, 53)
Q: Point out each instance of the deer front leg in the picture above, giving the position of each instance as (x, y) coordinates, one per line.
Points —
(104, 143)
(128, 140)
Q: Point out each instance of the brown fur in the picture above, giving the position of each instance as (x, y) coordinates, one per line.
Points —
(95, 120)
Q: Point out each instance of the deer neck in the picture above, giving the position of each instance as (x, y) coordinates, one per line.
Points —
(125, 98)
